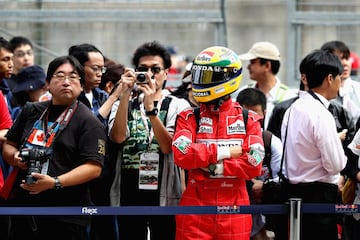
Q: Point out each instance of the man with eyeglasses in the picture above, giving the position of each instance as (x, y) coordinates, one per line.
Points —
(144, 125)
(100, 102)
(66, 143)
(23, 59)
(23, 56)
(92, 59)
(23, 53)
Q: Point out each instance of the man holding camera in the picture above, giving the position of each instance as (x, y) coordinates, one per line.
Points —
(59, 146)
(144, 124)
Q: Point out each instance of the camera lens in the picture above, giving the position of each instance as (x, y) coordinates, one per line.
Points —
(141, 77)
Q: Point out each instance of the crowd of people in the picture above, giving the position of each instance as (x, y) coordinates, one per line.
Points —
(90, 131)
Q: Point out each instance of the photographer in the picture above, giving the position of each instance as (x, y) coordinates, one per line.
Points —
(59, 146)
(145, 125)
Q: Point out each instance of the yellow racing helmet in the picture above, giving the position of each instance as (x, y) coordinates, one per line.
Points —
(216, 72)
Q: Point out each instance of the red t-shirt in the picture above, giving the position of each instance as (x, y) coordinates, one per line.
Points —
(5, 118)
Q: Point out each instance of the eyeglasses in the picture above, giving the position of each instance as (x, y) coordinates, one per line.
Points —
(62, 77)
(21, 54)
(154, 70)
(97, 69)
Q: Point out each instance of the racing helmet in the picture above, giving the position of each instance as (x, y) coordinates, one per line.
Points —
(216, 72)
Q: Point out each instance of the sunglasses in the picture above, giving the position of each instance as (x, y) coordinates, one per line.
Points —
(154, 70)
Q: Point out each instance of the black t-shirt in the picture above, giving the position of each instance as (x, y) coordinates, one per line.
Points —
(73, 146)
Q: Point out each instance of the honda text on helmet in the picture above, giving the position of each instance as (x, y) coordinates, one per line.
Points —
(216, 72)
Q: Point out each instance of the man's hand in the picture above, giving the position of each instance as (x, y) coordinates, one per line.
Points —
(342, 134)
(256, 191)
(235, 151)
(43, 182)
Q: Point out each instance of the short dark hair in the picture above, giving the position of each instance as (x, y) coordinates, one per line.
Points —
(57, 62)
(113, 73)
(251, 97)
(337, 46)
(302, 70)
(152, 49)
(320, 64)
(5, 44)
(275, 64)
(81, 52)
(19, 41)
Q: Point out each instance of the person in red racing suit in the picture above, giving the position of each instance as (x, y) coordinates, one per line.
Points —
(220, 154)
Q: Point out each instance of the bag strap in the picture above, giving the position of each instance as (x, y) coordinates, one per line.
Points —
(280, 173)
(267, 135)
(165, 107)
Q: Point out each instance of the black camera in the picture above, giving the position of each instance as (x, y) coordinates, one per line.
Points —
(34, 157)
(141, 78)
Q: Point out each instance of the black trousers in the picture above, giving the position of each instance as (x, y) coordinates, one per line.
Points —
(44, 228)
(317, 226)
(162, 227)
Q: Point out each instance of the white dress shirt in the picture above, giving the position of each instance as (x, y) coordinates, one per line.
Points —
(349, 97)
(313, 150)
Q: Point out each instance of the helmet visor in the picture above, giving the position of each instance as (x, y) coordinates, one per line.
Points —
(204, 75)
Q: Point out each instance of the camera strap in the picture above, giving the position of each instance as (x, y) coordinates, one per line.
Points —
(44, 136)
(60, 123)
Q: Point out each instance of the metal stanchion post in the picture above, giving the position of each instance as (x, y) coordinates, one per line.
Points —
(295, 218)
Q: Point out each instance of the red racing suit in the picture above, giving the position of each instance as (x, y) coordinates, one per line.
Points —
(195, 147)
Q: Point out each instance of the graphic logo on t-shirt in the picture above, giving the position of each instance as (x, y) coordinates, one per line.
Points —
(235, 125)
(101, 147)
(182, 143)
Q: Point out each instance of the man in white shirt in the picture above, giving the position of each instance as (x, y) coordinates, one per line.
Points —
(314, 155)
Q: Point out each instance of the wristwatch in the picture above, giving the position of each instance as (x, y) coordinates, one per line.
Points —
(57, 183)
(212, 168)
(153, 112)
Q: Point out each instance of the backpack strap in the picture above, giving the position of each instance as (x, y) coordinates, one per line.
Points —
(267, 135)
(196, 112)
(165, 107)
(135, 104)
(245, 113)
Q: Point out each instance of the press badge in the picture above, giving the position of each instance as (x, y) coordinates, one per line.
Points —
(149, 171)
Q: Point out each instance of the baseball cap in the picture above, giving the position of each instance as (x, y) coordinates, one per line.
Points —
(265, 50)
(29, 78)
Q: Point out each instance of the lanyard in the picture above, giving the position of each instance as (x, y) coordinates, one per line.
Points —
(48, 136)
(62, 120)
